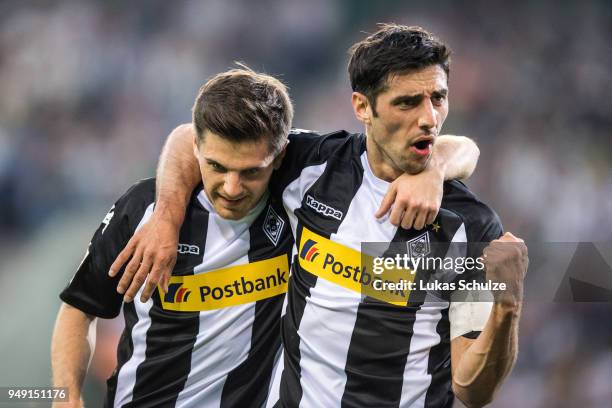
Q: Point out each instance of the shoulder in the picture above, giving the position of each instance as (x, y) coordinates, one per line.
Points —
(131, 206)
(143, 191)
(481, 221)
(315, 147)
(142, 194)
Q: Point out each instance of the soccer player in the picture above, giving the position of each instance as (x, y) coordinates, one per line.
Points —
(344, 349)
(212, 338)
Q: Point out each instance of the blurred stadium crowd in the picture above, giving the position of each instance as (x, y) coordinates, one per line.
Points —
(91, 89)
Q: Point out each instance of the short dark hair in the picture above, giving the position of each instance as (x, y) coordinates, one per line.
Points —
(393, 49)
(242, 105)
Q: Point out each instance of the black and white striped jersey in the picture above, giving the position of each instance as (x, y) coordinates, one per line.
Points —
(342, 348)
(214, 338)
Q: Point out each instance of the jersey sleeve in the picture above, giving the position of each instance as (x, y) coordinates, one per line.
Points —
(468, 316)
(468, 319)
(306, 148)
(91, 290)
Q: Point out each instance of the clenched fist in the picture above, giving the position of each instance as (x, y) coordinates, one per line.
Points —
(506, 261)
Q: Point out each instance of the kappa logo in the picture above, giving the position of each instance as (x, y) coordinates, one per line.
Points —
(309, 251)
(107, 219)
(273, 226)
(324, 209)
(298, 130)
(188, 249)
(419, 246)
(176, 294)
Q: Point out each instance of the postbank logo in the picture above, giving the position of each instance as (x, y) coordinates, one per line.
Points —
(348, 268)
(309, 251)
(176, 294)
(227, 287)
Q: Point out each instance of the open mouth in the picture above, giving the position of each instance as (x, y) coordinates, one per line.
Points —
(422, 146)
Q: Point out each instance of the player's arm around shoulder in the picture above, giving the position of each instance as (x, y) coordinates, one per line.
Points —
(415, 199)
(479, 366)
(150, 254)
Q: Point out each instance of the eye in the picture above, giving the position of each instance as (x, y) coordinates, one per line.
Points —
(404, 105)
(217, 167)
(407, 103)
(438, 99)
(251, 172)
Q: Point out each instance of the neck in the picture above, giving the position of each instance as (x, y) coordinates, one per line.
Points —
(380, 163)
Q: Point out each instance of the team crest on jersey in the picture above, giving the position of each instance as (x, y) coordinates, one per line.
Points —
(273, 226)
(419, 246)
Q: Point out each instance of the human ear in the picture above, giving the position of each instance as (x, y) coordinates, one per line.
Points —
(361, 107)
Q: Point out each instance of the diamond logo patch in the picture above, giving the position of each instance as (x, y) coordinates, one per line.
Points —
(419, 247)
(273, 226)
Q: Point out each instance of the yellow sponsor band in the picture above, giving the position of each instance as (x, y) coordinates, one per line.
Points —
(227, 287)
(350, 269)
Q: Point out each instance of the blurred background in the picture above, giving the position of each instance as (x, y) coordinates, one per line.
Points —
(89, 91)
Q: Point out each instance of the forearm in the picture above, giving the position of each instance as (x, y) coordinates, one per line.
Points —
(489, 359)
(455, 156)
(71, 350)
(452, 157)
(177, 175)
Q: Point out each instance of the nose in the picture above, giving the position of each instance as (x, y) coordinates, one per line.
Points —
(232, 187)
(427, 120)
